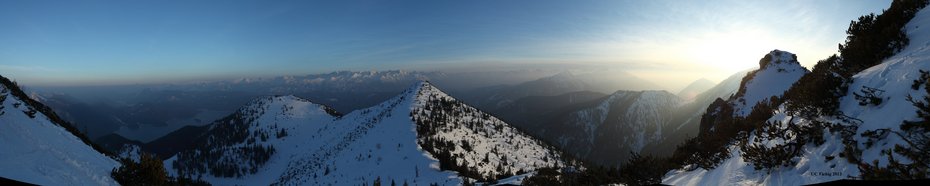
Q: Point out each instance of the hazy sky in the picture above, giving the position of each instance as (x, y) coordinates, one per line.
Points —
(112, 42)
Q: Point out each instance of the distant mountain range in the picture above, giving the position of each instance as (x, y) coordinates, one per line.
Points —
(496, 97)
(697, 87)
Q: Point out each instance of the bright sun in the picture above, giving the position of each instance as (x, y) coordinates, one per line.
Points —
(731, 52)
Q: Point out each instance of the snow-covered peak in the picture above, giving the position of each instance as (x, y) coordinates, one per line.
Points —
(423, 90)
(288, 105)
(778, 70)
(777, 58)
(265, 100)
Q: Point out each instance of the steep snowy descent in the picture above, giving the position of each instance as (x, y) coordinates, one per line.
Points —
(36, 150)
(415, 137)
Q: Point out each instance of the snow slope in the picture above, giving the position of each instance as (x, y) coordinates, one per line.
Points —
(894, 75)
(38, 151)
(323, 148)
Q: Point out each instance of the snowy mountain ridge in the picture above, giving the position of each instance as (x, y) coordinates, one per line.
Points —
(421, 136)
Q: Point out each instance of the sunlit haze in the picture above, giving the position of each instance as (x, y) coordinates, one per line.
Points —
(670, 42)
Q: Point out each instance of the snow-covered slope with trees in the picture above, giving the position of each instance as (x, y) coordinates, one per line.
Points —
(867, 137)
(36, 149)
(419, 137)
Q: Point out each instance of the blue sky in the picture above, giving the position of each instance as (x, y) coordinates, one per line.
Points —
(118, 42)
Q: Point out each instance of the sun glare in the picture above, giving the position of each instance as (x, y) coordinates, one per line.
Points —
(733, 51)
